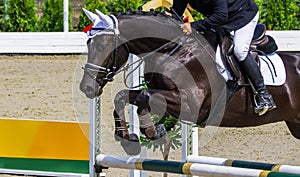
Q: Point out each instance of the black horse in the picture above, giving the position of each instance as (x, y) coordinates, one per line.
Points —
(181, 76)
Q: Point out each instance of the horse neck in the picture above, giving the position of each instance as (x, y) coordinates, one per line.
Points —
(146, 33)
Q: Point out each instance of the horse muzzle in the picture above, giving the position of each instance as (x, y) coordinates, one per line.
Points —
(91, 91)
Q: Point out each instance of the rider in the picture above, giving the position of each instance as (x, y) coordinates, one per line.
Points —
(241, 17)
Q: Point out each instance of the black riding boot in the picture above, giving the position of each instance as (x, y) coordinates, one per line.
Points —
(263, 99)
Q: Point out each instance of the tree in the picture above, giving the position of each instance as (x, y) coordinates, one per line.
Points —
(1, 15)
(115, 6)
(52, 19)
(297, 2)
(278, 14)
(90, 5)
(21, 16)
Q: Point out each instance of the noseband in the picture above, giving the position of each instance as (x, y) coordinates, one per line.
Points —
(89, 67)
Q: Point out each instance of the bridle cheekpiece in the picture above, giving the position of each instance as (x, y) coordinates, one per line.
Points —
(89, 68)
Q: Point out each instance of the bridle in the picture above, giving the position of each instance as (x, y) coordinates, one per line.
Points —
(89, 68)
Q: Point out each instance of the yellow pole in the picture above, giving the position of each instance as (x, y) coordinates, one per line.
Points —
(153, 4)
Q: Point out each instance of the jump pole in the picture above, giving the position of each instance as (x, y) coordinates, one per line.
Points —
(134, 80)
(94, 140)
(187, 168)
(189, 136)
(243, 164)
(189, 140)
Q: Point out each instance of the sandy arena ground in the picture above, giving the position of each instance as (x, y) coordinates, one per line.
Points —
(46, 87)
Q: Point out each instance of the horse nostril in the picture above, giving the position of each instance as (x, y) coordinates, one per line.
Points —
(89, 89)
(82, 87)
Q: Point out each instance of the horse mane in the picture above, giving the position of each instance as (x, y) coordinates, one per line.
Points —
(141, 12)
(170, 19)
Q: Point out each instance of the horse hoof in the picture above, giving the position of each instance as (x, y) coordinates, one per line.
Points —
(132, 147)
(134, 137)
(119, 138)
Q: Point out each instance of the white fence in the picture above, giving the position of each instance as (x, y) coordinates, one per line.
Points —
(75, 42)
(286, 40)
(40, 43)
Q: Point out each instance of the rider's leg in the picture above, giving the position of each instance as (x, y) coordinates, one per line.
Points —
(264, 99)
(242, 40)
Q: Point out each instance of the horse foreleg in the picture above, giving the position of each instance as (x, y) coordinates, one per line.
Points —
(158, 102)
(147, 127)
(122, 98)
(130, 142)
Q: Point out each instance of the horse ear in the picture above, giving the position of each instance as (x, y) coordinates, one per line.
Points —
(93, 17)
(106, 20)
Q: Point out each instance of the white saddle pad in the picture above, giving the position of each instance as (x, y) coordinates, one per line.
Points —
(271, 67)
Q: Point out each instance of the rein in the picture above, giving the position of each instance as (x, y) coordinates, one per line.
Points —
(142, 59)
(110, 73)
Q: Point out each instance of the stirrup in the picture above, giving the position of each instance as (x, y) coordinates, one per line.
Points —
(261, 111)
(269, 105)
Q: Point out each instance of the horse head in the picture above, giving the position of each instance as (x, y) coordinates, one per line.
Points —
(108, 50)
(106, 53)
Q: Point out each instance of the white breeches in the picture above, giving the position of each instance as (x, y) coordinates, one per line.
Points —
(243, 37)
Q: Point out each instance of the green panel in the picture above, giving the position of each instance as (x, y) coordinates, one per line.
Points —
(279, 174)
(49, 165)
(163, 166)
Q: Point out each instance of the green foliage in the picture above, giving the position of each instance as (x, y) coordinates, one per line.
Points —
(169, 121)
(21, 16)
(278, 14)
(197, 16)
(174, 136)
(1, 14)
(115, 6)
(90, 5)
(297, 2)
(262, 7)
(52, 19)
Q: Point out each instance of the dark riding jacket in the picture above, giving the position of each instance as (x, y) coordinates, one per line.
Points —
(230, 14)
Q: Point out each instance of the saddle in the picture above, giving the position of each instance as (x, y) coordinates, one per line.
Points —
(261, 44)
